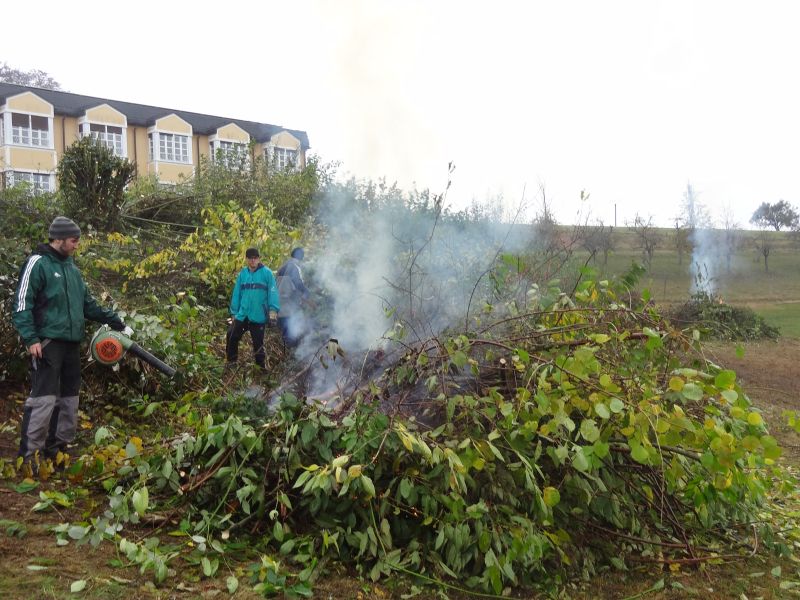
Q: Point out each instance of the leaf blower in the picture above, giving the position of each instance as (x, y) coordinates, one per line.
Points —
(109, 346)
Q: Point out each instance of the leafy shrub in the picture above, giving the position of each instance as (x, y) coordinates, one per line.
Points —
(557, 441)
(723, 321)
(92, 181)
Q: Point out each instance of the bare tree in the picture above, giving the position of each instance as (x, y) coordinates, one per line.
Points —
(647, 237)
(694, 215)
(681, 239)
(33, 78)
(731, 236)
(763, 244)
(597, 238)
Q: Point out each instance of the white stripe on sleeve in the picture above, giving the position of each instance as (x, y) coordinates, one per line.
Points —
(24, 282)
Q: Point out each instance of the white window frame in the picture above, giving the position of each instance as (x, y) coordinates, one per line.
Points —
(278, 156)
(40, 183)
(118, 145)
(28, 137)
(233, 151)
(162, 147)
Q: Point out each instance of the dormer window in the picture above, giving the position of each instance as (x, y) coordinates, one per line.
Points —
(283, 158)
(234, 155)
(111, 136)
(170, 147)
(30, 130)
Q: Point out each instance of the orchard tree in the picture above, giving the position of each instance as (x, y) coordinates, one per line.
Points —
(647, 237)
(780, 215)
(92, 180)
(33, 78)
(732, 235)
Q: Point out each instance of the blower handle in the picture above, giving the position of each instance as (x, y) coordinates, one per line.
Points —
(137, 350)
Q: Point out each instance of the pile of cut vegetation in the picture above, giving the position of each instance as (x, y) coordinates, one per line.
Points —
(721, 321)
(544, 444)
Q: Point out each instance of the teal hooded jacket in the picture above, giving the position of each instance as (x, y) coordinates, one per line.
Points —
(254, 295)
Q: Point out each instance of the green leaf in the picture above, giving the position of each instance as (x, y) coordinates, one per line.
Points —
(580, 462)
(776, 572)
(616, 405)
(277, 531)
(600, 449)
(340, 461)
(140, 500)
(692, 391)
(602, 410)
(551, 496)
(101, 434)
(725, 379)
(589, 430)
(730, 396)
(77, 586)
(459, 359)
(639, 453)
(369, 487)
(25, 486)
(232, 583)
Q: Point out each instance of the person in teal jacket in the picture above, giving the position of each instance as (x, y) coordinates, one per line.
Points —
(254, 302)
(51, 306)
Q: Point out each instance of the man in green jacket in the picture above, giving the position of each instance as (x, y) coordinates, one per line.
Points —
(51, 306)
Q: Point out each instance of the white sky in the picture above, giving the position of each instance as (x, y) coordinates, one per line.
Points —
(626, 100)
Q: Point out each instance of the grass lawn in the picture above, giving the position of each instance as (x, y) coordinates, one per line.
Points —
(740, 281)
(785, 316)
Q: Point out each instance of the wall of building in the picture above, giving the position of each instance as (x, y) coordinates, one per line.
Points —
(66, 130)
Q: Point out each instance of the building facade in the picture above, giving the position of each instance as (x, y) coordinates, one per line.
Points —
(36, 125)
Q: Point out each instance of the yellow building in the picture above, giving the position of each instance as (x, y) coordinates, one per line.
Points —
(36, 125)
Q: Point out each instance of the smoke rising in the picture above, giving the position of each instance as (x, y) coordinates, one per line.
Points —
(393, 268)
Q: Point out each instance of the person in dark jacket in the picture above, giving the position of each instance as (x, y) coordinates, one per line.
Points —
(51, 305)
(293, 295)
(254, 302)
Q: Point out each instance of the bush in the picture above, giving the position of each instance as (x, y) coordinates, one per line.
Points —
(722, 321)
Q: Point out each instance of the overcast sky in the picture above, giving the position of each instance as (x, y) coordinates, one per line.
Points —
(627, 101)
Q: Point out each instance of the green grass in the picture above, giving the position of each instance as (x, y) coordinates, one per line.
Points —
(785, 316)
(742, 281)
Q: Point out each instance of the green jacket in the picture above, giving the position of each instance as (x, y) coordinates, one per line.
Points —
(52, 300)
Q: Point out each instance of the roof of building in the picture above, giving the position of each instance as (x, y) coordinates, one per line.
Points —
(142, 115)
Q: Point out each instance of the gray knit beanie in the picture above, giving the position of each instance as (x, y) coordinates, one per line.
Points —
(62, 228)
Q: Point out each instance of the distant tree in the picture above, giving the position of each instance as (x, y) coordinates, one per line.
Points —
(780, 215)
(545, 226)
(33, 78)
(647, 237)
(597, 238)
(694, 215)
(681, 240)
(764, 246)
(731, 236)
(92, 180)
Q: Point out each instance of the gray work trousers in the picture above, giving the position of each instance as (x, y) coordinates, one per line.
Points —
(50, 417)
